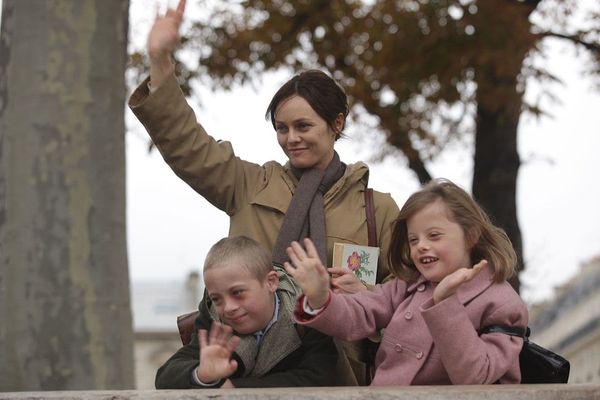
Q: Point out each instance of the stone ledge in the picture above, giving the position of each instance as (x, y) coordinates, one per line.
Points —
(489, 392)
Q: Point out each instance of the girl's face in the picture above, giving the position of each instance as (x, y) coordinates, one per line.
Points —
(438, 245)
(306, 138)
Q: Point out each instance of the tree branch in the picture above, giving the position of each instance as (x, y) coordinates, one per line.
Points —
(593, 47)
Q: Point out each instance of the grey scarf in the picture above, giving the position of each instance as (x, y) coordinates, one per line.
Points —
(305, 216)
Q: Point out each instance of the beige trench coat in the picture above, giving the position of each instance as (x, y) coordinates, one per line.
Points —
(254, 196)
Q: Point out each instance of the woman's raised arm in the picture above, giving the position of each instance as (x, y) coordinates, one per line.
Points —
(162, 40)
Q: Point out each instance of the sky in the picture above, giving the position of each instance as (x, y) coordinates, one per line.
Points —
(170, 227)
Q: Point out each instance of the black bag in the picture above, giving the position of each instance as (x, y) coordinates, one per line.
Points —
(538, 365)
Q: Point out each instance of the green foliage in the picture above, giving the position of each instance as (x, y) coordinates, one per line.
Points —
(362, 273)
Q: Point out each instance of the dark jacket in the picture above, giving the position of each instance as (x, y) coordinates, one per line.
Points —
(288, 355)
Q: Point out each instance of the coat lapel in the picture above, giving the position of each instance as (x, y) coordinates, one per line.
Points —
(279, 342)
(247, 351)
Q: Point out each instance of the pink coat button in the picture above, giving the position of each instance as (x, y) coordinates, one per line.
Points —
(398, 348)
(421, 287)
(408, 315)
(419, 355)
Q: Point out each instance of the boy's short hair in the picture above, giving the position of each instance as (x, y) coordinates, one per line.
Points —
(247, 252)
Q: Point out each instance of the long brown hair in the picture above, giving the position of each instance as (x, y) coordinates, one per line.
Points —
(485, 240)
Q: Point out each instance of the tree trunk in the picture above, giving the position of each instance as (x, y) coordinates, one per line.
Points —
(499, 105)
(64, 286)
(496, 159)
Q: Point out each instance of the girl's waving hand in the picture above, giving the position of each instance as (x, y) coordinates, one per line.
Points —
(308, 271)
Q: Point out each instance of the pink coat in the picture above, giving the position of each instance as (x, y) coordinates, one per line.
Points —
(427, 344)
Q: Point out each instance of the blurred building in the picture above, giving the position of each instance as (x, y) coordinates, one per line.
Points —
(569, 323)
(156, 305)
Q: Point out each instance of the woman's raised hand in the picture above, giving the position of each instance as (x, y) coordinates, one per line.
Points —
(162, 40)
(215, 353)
(308, 271)
(450, 284)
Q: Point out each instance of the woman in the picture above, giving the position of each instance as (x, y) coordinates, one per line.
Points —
(313, 195)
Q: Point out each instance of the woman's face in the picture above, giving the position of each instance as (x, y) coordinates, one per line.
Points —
(305, 137)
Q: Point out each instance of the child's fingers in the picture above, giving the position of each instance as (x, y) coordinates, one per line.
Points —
(232, 343)
(338, 271)
(289, 268)
(215, 332)
(294, 256)
(202, 337)
(295, 261)
(232, 366)
(310, 248)
(480, 265)
(225, 333)
(299, 250)
(472, 272)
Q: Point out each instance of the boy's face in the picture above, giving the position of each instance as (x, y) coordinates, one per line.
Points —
(242, 301)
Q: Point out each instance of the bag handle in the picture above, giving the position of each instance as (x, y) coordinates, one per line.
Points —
(537, 364)
(371, 223)
(508, 330)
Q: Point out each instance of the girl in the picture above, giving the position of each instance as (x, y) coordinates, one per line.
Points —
(452, 265)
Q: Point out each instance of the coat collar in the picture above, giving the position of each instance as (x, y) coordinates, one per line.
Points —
(277, 194)
(356, 172)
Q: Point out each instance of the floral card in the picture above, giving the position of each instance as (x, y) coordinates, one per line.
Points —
(362, 260)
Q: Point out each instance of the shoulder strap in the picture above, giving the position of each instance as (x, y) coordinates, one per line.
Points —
(371, 223)
(508, 330)
(185, 324)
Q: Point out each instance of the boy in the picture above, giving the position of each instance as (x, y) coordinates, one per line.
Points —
(256, 302)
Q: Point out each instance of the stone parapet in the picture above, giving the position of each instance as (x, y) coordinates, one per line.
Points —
(489, 392)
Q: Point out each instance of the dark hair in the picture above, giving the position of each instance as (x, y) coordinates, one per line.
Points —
(323, 94)
(485, 240)
(246, 252)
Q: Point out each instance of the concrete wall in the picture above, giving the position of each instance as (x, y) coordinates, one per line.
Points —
(152, 349)
(491, 392)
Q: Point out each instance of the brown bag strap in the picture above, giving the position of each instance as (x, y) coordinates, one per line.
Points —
(369, 347)
(371, 223)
